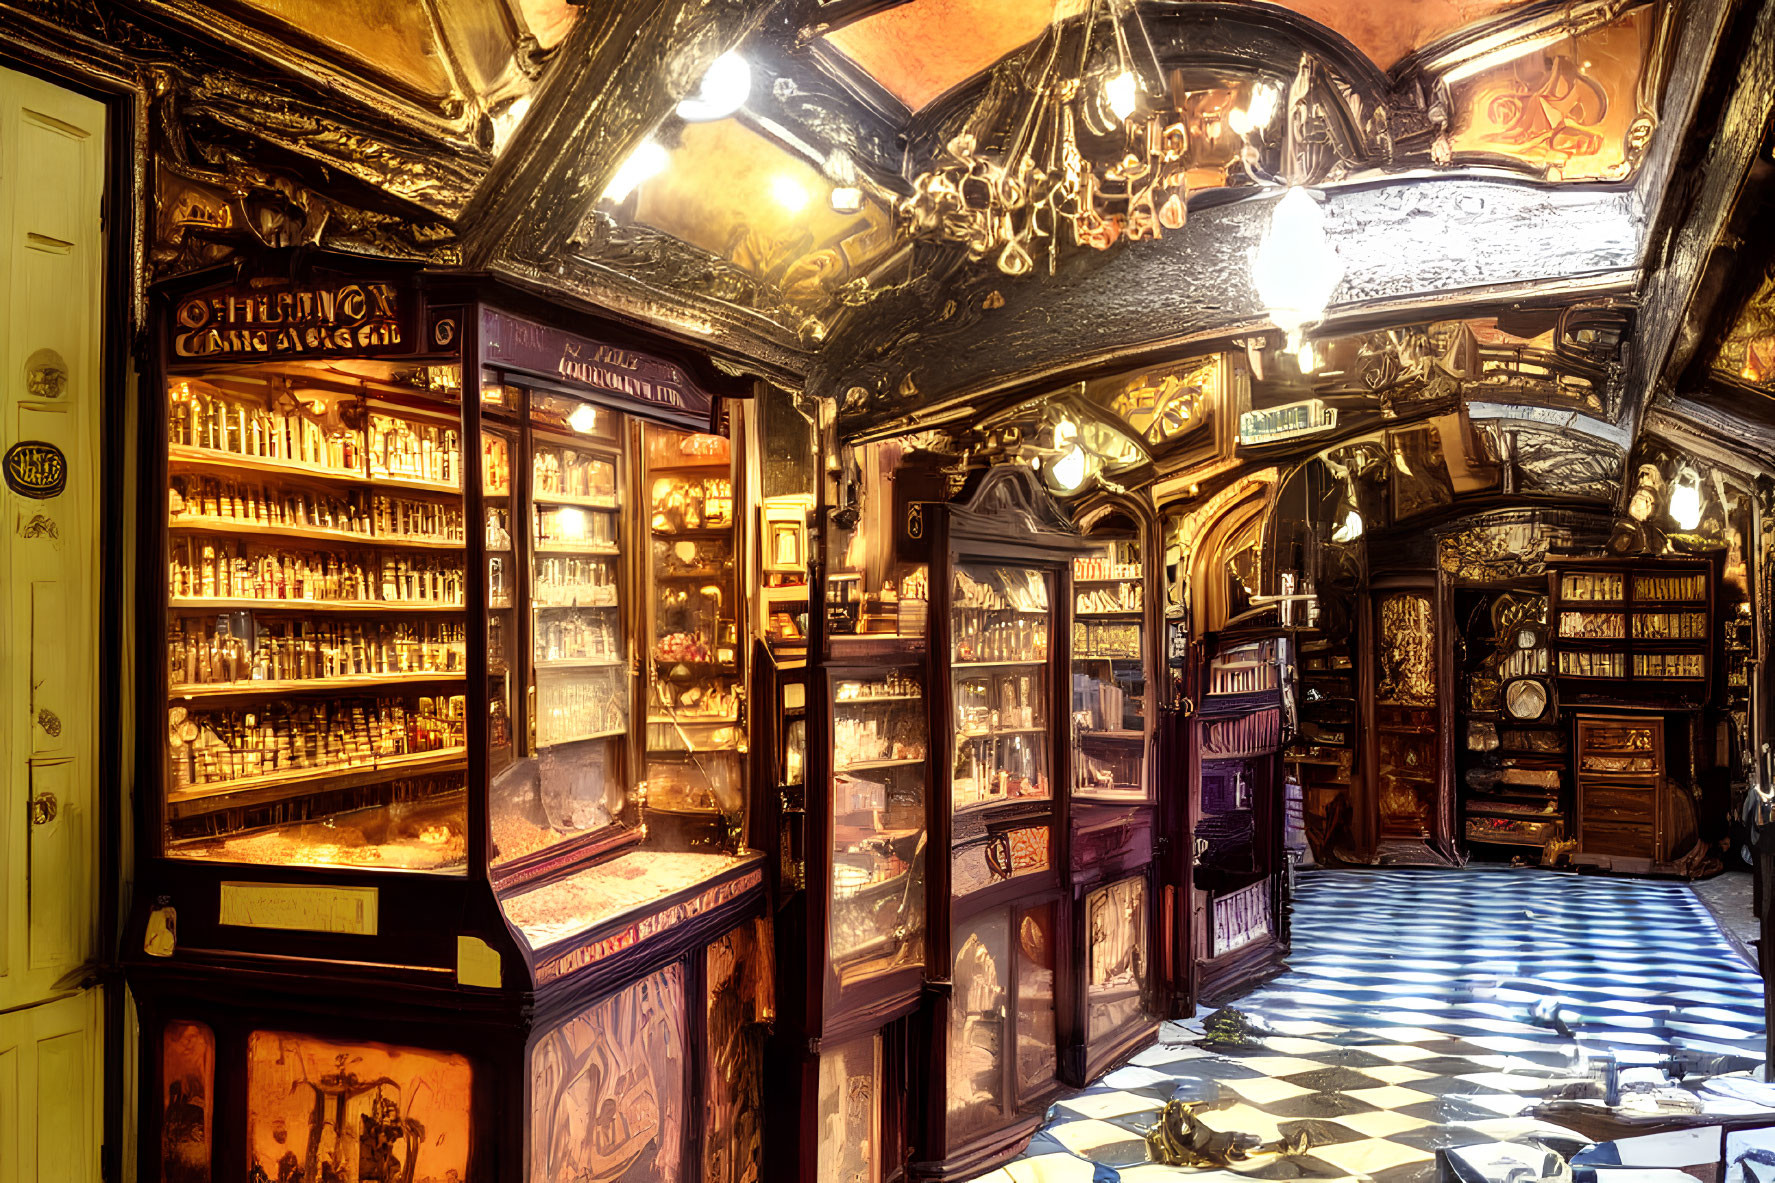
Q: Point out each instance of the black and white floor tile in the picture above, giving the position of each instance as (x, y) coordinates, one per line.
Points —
(1426, 1010)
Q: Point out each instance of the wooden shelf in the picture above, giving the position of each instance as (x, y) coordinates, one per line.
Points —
(209, 525)
(870, 765)
(303, 782)
(580, 663)
(184, 456)
(602, 549)
(217, 604)
(981, 665)
(590, 502)
(308, 685)
(703, 533)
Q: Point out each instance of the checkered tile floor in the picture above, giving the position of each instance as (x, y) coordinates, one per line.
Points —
(1408, 1022)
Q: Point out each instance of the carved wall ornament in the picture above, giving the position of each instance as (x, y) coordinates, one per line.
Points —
(46, 375)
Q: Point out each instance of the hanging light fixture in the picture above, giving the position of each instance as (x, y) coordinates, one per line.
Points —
(1296, 269)
(1685, 498)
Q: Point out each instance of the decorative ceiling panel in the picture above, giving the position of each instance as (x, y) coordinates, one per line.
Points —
(1387, 32)
(456, 58)
(1748, 352)
(739, 195)
(1579, 107)
(919, 50)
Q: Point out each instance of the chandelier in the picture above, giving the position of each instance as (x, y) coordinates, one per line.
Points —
(1018, 204)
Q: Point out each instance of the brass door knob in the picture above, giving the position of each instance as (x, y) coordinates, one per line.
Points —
(43, 808)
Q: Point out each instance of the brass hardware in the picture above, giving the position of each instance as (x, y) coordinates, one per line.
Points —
(42, 808)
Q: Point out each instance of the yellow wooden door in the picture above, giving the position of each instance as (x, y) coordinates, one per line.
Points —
(51, 1066)
(52, 181)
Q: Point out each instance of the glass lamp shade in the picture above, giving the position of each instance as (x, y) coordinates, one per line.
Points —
(1296, 269)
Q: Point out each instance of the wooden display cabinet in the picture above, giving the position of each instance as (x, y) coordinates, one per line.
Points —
(1621, 786)
(416, 885)
(1115, 894)
(1238, 876)
(1000, 932)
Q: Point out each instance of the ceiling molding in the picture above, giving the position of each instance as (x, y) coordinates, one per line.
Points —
(1726, 115)
(1421, 246)
(621, 70)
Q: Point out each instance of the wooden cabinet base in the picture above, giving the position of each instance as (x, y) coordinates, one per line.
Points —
(991, 1151)
(1224, 978)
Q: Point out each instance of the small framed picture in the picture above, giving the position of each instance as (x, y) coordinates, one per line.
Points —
(785, 545)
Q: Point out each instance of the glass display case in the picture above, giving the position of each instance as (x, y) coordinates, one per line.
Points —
(1002, 618)
(1110, 705)
(560, 787)
(316, 644)
(880, 763)
(695, 685)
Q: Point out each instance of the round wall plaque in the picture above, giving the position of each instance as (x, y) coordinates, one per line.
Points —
(35, 469)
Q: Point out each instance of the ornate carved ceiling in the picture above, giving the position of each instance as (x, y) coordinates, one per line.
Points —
(1471, 154)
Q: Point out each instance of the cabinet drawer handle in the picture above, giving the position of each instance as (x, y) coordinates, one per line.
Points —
(43, 808)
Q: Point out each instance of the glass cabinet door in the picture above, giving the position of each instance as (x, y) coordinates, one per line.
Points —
(1109, 690)
(879, 767)
(574, 780)
(695, 789)
(1000, 629)
(316, 638)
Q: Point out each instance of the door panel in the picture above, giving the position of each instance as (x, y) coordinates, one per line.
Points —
(52, 176)
(50, 1067)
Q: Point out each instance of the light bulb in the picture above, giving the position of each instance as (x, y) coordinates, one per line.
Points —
(583, 419)
(1068, 472)
(1350, 530)
(790, 193)
(723, 91)
(648, 160)
(1685, 499)
(1121, 93)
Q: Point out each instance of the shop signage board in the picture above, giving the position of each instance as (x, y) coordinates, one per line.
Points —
(543, 351)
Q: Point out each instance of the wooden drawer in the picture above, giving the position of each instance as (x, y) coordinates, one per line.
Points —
(1616, 838)
(1620, 803)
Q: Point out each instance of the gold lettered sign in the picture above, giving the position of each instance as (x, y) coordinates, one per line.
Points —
(275, 318)
(36, 469)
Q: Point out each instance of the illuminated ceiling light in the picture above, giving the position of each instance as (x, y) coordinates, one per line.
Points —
(789, 193)
(1296, 269)
(648, 160)
(723, 91)
(1350, 530)
(583, 419)
(1685, 499)
(1121, 94)
(1069, 471)
(847, 199)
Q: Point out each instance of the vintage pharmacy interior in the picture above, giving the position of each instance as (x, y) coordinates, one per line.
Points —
(886, 591)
